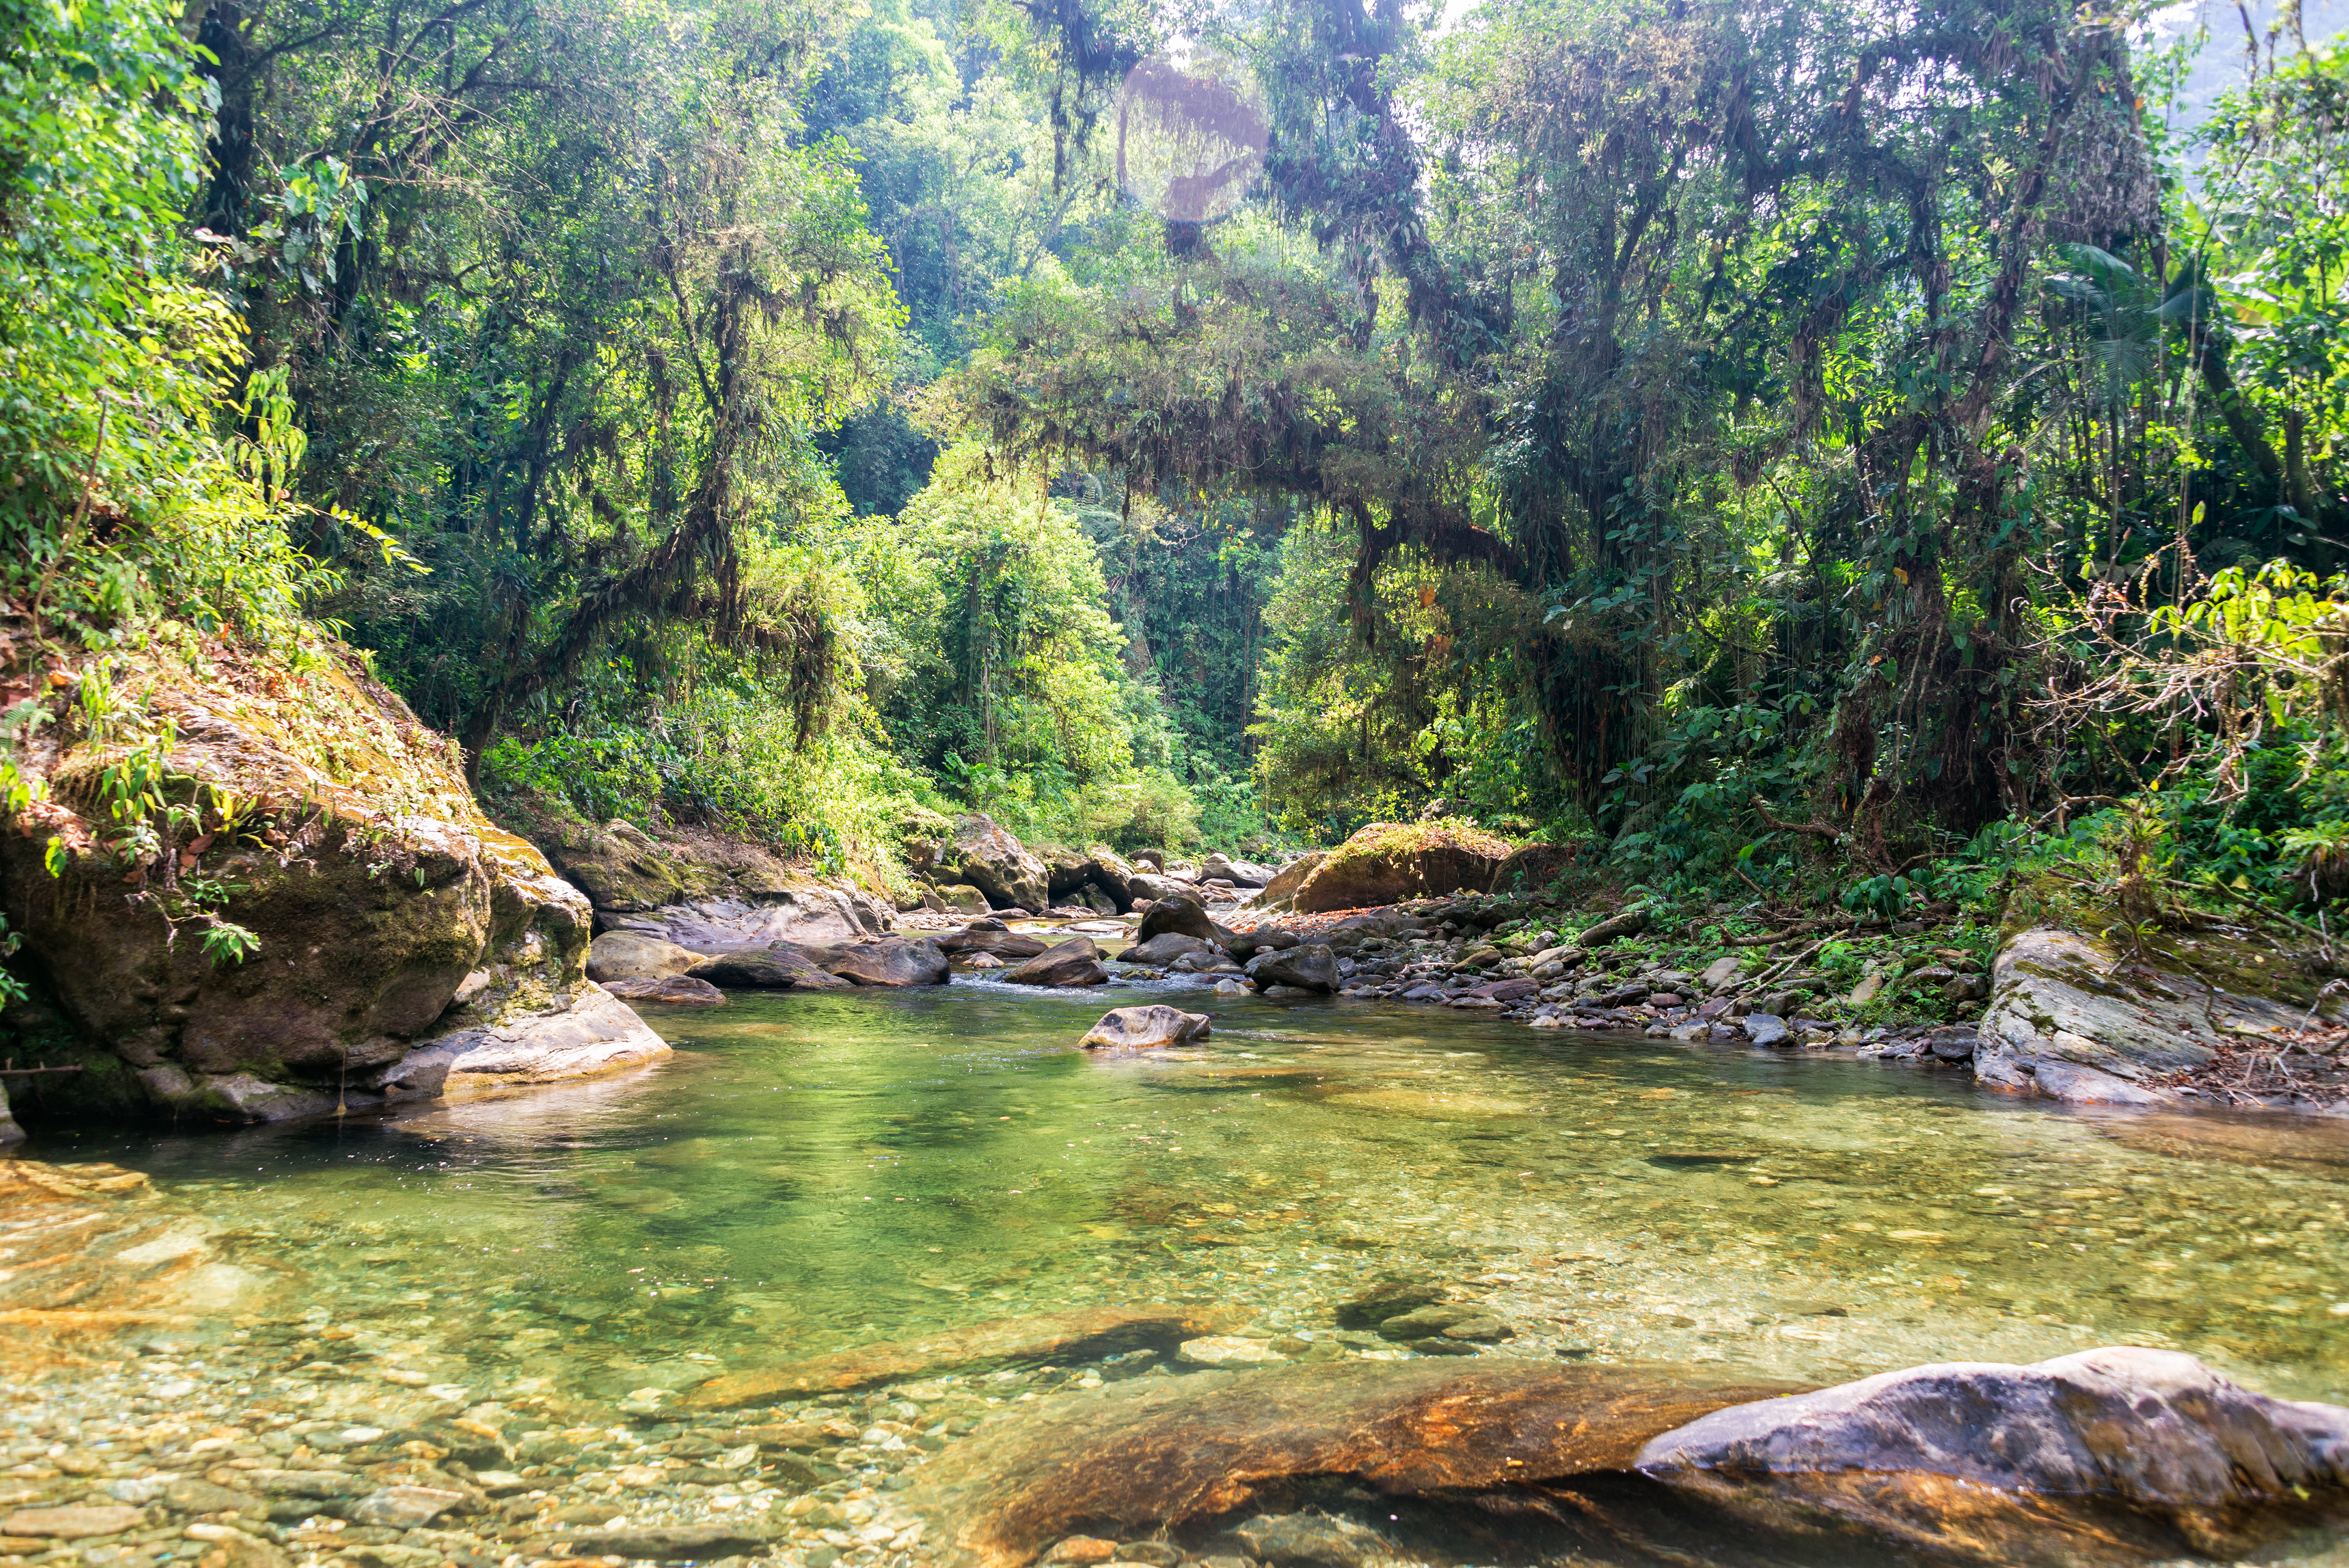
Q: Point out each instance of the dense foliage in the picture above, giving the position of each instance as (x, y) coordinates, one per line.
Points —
(1802, 441)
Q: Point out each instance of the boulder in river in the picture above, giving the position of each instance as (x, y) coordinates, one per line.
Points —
(675, 990)
(710, 894)
(1181, 912)
(1281, 892)
(1153, 887)
(633, 955)
(1387, 862)
(1239, 873)
(1245, 945)
(1136, 1029)
(1162, 949)
(1112, 874)
(1309, 966)
(1076, 961)
(997, 864)
(890, 962)
(2038, 1457)
(779, 967)
(990, 937)
(391, 916)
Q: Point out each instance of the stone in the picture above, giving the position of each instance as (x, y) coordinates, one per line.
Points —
(1226, 1350)
(1149, 1455)
(72, 1523)
(1245, 945)
(301, 1483)
(890, 963)
(1386, 863)
(357, 969)
(766, 968)
(1163, 949)
(1082, 1549)
(9, 1132)
(1154, 1553)
(2042, 1454)
(1076, 961)
(1954, 1045)
(675, 990)
(1390, 1298)
(633, 955)
(1281, 892)
(1665, 999)
(1054, 1337)
(1149, 887)
(983, 960)
(1870, 986)
(670, 1543)
(1426, 1322)
(1180, 913)
(1309, 1540)
(1629, 923)
(1139, 1028)
(189, 1495)
(1765, 1029)
(2067, 1020)
(1309, 966)
(1507, 990)
(405, 1507)
(997, 864)
(962, 898)
(991, 936)
(1112, 874)
(597, 1034)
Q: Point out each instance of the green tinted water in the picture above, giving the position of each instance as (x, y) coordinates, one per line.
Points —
(811, 1172)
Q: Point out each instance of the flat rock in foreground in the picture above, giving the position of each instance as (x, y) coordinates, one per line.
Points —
(1061, 1335)
(1137, 1457)
(2086, 1457)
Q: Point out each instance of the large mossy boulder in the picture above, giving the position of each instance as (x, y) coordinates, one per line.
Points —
(391, 920)
(1387, 862)
(703, 891)
(1000, 865)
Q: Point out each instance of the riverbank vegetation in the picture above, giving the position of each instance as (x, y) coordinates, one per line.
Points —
(1862, 456)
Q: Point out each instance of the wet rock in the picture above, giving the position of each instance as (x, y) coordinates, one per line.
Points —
(670, 1543)
(2030, 1461)
(1309, 966)
(890, 964)
(1765, 1029)
(1139, 1028)
(1181, 912)
(1055, 1337)
(1163, 949)
(71, 1523)
(1239, 873)
(2069, 1021)
(1156, 1553)
(596, 1034)
(1389, 1299)
(983, 960)
(406, 1507)
(1481, 1330)
(1312, 1540)
(1955, 1044)
(189, 1495)
(766, 968)
(1226, 1350)
(633, 955)
(677, 990)
(997, 864)
(1386, 863)
(1427, 1321)
(1082, 1549)
(991, 936)
(1245, 945)
(1151, 1454)
(1076, 961)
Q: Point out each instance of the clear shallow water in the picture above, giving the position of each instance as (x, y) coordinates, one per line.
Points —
(811, 1172)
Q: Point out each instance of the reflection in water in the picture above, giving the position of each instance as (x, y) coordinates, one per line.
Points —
(814, 1172)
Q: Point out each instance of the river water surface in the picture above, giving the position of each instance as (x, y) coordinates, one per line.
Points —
(815, 1172)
